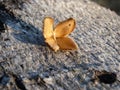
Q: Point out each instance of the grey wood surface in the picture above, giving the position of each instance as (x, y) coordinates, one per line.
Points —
(27, 63)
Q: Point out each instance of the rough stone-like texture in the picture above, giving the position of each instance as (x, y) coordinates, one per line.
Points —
(27, 63)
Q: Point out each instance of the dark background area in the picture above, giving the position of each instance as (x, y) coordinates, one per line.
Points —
(113, 5)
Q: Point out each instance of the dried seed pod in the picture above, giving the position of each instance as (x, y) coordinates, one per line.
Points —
(58, 38)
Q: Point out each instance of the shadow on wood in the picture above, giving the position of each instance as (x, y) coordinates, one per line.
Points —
(22, 31)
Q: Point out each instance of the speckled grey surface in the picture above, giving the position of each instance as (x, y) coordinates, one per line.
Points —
(27, 61)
